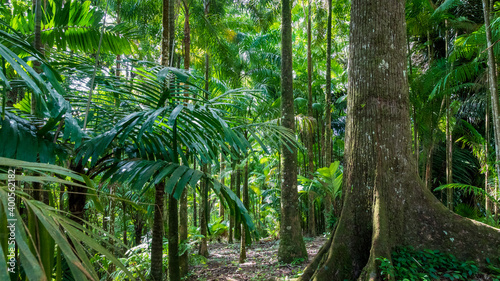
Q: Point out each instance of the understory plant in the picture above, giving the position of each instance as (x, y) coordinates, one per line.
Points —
(409, 264)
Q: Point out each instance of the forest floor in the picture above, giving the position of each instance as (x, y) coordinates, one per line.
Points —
(261, 264)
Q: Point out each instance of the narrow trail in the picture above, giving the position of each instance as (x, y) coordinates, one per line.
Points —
(261, 264)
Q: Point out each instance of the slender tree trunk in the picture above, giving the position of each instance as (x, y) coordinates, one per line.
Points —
(138, 226)
(203, 249)
(187, 36)
(171, 31)
(222, 180)
(328, 90)
(118, 21)
(449, 136)
(428, 166)
(291, 243)
(173, 239)
(157, 241)
(124, 220)
(183, 232)
(165, 50)
(37, 5)
(311, 227)
(319, 141)
(385, 203)
(183, 212)
(112, 217)
(493, 85)
(416, 142)
(231, 214)
(487, 187)
(195, 213)
(237, 218)
(246, 203)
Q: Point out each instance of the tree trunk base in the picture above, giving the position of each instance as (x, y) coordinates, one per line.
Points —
(422, 223)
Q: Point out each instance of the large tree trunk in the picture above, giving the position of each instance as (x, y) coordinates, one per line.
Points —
(291, 243)
(157, 241)
(385, 203)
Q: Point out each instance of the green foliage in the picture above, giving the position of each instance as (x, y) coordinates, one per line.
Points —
(409, 264)
(469, 189)
(218, 229)
(72, 239)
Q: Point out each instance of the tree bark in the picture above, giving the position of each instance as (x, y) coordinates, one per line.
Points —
(231, 214)
(187, 36)
(195, 213)
(291, 243)
(493, 85)
(222, 180)
(125, 224)
(157, 241)
(246, 203)
(183, 212)
(449, 136)
(138, 226)
(164, 44)
(328, 90)
(487, 188)
(385, 202)
(168, 33)
(183, 232)
(203, 249)
(237, 189)
(173, 239)
(37, 5)
(311, 227)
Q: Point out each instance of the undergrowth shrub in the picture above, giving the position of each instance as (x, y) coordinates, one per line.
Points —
(409, 264)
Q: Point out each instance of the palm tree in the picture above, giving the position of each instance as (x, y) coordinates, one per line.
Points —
(291, 243)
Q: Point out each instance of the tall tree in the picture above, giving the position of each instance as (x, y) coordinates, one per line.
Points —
(493, 84)
(157, 240)
(311, 227)
(246, 202)
(291, 243)
(449, 133)
(328, 87)
(183, 212)
(204, 218)
(385, 203)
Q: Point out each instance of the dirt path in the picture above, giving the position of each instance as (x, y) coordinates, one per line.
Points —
(261, 262)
